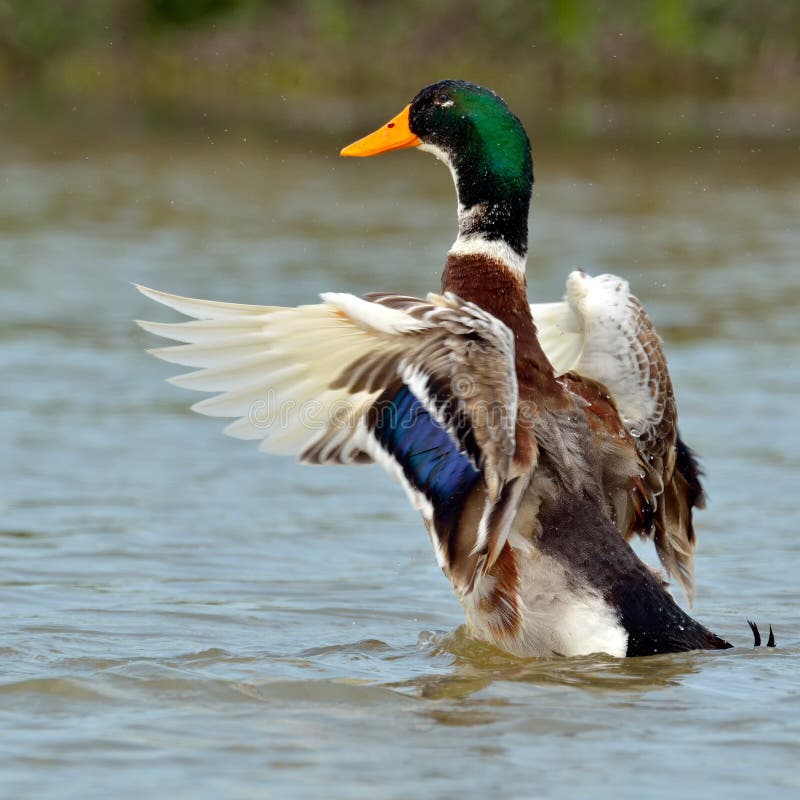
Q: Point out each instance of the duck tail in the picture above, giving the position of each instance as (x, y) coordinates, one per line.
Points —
(757, 635)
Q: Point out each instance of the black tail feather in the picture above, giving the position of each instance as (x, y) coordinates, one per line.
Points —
(687, 463)
(757, 635)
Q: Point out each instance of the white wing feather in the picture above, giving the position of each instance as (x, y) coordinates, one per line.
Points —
(596, 332)
(560, 332)
(272, 367)
(305, 376)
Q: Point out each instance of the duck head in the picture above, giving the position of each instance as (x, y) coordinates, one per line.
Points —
(472, 130)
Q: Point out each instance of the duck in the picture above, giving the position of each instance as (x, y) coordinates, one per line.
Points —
(535, 439)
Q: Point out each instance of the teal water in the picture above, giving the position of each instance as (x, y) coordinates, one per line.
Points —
(185, 617)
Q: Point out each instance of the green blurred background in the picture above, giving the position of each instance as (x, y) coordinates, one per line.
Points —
(573, 67)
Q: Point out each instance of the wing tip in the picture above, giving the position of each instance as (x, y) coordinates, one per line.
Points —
(152, 294)
(173, 301)
(152, 327)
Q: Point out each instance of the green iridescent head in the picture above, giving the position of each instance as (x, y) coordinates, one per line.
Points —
(473, 130)
(472, 124)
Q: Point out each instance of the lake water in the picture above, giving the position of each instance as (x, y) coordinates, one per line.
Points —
(184, 617)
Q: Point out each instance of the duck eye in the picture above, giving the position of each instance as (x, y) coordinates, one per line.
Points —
(444, 100)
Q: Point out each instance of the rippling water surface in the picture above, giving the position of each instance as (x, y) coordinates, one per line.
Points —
(184, 617)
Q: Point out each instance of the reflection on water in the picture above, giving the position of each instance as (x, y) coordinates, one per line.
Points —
(185, 617)
(478, 665)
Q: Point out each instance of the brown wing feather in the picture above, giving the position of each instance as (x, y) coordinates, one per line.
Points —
(669, 462)
(650, 479)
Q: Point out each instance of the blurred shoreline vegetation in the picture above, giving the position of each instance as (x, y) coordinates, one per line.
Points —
(727, 68)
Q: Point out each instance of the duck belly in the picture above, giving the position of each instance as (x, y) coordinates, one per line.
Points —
(556, 617)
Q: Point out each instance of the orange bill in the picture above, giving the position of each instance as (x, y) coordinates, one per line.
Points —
(394, 135)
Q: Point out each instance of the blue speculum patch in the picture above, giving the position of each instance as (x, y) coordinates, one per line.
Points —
(430, 459)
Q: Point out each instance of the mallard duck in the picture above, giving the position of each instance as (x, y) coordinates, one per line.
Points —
(534, 440)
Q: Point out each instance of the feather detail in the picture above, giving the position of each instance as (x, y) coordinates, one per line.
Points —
(203, 309)
(426, 387)
(561, 334)
(601, 333)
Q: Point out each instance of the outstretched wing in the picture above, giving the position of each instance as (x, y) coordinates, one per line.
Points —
(601, 332)
(426, 387)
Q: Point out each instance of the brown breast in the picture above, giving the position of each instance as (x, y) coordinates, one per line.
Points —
(497, 289)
